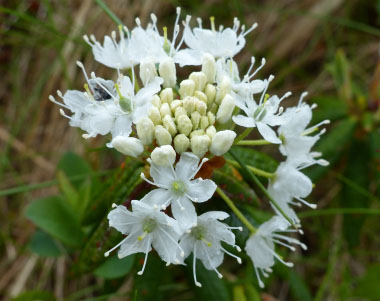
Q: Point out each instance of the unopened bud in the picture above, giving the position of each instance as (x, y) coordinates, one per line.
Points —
(204, 122)
(154, 115)
(145, 130)
(184, 124)
(199, 145)
(195, 119)
(175, 104)
(166, 95)
(156, 101)
(189, 104)
(197, 133)
(147, 71)
(169, 125)
(226, 109)
(211, 131)
(179, 111)
(199, 79)
(201, 107)
(222, 142)
(163, 156)
(162, 135)
(211, 118)
(209, 67)
(214, 108)
(186, 88)
(168, 73)
(181, 143)
(165, 110)
(210, 92)
(223, 89)
(128, 145)
(201, 96)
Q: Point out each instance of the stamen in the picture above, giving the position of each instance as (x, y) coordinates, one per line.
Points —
(199, 20)
(263, 61)
(212, 21)
(232, 255)
(194, 267)
(249, 30)
(52, 99)
(214, 268)
(209, 244)
(89, 94)
(312, 206)
(142, 175)
(146, 258)
(303, 95)
(204, 160)
(261, 284)
(142, 236)
(106, 254)
(80, 65)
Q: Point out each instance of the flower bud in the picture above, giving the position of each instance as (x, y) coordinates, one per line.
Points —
(147, 71)
(128, 145)
(184, 124)
(225, 110)
(145, 130)
(222, 142)
(162, 135)
(199, 79)
(179, 111)
(156, 101)
(168, 72)
(181, 143)
(223, 89)
(169, 125)
(189, 104)
(165, 110)
(201, 107)
(163, 156)
(197, 133)
(154, 115)
(175, 104)
(211, 131)
(195, 119)
(209, 67)
(211, 118)
(214, 108)
(204, 122)
(199, 145)
(210, 92)
(186, 88)
(201, 96)
(166, 95)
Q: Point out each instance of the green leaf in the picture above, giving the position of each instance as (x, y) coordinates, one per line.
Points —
(35, 296)
(114, 267)
(68, 190)
(239, 294)
(298, 287)
(55, 217)
(44, 245)
(375, 156)
(368, 285)
(329, 107)
(74, 165)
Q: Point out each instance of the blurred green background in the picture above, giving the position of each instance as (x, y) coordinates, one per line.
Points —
(328, 47)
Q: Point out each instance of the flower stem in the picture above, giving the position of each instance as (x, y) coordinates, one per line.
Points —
(109, 12)
(255, 170)
(262, 188)
(238, 213)
(243, 135)
(253, 142)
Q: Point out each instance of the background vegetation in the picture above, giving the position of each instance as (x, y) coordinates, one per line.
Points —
(327, 47)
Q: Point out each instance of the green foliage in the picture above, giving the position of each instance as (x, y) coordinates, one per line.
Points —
(35, 296)
(44, 245)
(368, 285)
(114, 267)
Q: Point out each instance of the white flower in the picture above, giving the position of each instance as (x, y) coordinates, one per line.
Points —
(179, 188)
(146, 227)
(224, 43)
(128, 146)
(261, 115)
(112, 54)
(260, 246)
(296, 142)
(204, 241)
(222, 142)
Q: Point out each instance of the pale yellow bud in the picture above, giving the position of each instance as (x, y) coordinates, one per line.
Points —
(189, 104)
(154, 115)
(175, 104)
(201, 96)
(184, 124)
(165, 110)
(166, 95)
(129, 146)
(199, 79)
(147, 70)
(179, 111)
(211, 131)
(200, 144)
(162, 135)
(156, 101)
(195, 119)
(181, 143)
(201, 107)
(197, 133)
(169, 124)
(186, 88)
(168, 73)
(214, 108)
(222, 142)
(209, 67)
(204, 122)
(211, 118)
(145, 130)
(163, 155)
(210, 92)
(225, 110)
(223, 89)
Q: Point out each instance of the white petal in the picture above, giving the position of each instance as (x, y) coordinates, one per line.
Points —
(244, 121)
(200, 190)
(220, 215)
(267, 133)
(158, 197)
(184, 212)
(186, 166)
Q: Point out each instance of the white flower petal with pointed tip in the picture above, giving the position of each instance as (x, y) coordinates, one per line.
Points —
(146, 227)
(260, 246)
(204, 241)
(179, 188)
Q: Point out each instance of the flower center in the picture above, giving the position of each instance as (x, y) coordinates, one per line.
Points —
(259, 113)
(178, 187)
(124, 102)
(199, 233)
(149, 224)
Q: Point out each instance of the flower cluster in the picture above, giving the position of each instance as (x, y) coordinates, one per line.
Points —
(186, 122)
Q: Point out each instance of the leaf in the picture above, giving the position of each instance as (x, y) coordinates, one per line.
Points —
(44, 245)
(298, 287)
(68, 190)
(74, 165)
(239, 294)
(35, 296)
(375, 156)
(329, 107)
(55, 217)
(368, 285)
(114, 267)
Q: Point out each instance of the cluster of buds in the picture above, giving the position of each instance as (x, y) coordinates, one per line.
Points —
(186, 122)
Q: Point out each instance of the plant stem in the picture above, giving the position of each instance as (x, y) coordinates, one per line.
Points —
(238, 213)
(109, 12)
(253, 142)
(255, 170)
(243, 135)
(262, 188)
